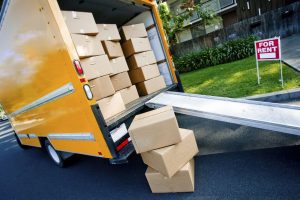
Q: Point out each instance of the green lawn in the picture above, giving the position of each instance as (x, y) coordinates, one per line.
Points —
(238, 79)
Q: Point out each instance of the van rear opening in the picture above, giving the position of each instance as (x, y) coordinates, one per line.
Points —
(121, 13)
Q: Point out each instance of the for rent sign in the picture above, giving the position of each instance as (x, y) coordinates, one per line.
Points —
(268, 49)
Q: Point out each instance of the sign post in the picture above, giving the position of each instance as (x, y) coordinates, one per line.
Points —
(266, 50)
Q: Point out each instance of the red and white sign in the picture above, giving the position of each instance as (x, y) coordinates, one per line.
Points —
(268, 49)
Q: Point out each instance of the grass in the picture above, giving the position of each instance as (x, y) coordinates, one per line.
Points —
(239, 79)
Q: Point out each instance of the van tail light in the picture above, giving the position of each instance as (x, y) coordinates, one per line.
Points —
(78, 67)
(88, 91)
(122, 145)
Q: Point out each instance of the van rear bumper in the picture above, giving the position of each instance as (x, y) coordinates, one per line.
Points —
(123, 154)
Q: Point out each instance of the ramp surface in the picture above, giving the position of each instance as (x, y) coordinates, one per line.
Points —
(269, 116)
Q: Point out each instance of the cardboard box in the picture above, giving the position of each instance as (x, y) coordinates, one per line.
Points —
(129, 94)
(154, 129)
(182, 181)
(168, 160)
(80, 22)
(133, 31)
(111, 106)
(119, 65)
(121, 81)
(87, 46)
(112, 49)
(96, 66)
(141, 59)
(102, 87)
(108, 32)
(136, 45)
(144, 73)
(151, 85)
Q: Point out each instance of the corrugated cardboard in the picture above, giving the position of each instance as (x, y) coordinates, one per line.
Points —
(119, 65)
(102, 87)
(80, 22)
(168, 160)
(121, 81)
(108, 32)
(136, 45)
(87, 46)
(151, 85)
(129, 94)
(154, 129)
(144, 73)
(111, 106)
(182, 181)
(141, 59)
(112, 49)
(133, 31)
(96, 66)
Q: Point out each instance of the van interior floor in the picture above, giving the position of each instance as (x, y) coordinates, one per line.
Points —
(134, 108)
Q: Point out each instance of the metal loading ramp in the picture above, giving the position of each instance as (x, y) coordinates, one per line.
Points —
(269, 116)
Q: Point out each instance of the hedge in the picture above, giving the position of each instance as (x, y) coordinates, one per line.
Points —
(227, 52)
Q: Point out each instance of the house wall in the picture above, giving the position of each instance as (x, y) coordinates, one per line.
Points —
(229, 18)
(282, 22)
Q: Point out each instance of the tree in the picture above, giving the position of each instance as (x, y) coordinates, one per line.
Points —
(173, 23)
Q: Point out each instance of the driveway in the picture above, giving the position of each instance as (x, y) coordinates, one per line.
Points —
(291, 51)
(257, 174)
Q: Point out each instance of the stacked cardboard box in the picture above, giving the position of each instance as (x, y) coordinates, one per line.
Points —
(144, 71)
(105, 61)
(110, 37)
(88, 38)
(167, 149)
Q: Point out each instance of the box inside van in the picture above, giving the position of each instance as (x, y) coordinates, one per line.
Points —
(122, 13)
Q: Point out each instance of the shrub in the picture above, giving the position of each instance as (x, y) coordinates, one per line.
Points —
(227, 52)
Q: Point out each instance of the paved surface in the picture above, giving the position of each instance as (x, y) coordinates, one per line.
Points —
(294, 103)
(291, 51)
(259, 174)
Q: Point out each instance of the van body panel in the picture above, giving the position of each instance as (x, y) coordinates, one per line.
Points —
(40, 89)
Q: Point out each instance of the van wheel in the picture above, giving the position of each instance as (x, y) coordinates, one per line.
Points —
(54, 155)
(19, 143)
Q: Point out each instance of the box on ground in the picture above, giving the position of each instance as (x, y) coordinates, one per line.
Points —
(151, 85)
(141, 59)
(119, 65)
(112, 49)
(136, 45)
(108, 32)
(182, 181)
(111, 106)
(144, 73)
(102, 87)
(154, 129)
(80, 22)
(129, 94)
(133, 31)
(168, 160)
(121, 81)
(96, 66)
(87, 46)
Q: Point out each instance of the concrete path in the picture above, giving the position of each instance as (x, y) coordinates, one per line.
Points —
(291, 51)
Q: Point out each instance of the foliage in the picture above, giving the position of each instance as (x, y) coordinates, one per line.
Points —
(238, 79)
(174, 23)
(228, 52)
